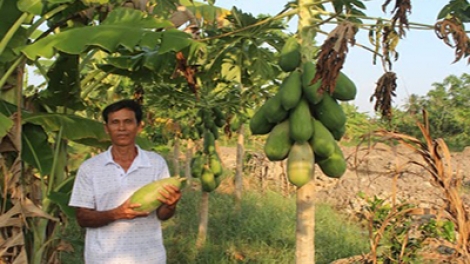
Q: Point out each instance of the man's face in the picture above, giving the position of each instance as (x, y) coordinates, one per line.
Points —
(122, 127)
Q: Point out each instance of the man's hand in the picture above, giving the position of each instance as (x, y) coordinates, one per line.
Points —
(169, 198)
(87, 217)
(126, 211)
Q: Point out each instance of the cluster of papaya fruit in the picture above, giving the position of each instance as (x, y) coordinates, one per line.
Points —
(303, 121)
(206, 119)
(206, 164)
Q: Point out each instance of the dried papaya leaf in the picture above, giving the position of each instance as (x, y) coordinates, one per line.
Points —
(183, 15)
(332, 55)
(401, 10)
(384, 93)
(390, 40)
(451, 31)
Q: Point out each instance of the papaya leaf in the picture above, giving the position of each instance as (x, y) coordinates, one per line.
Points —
(5, 125)
(174, 40)
(124, 27)
(36, 149)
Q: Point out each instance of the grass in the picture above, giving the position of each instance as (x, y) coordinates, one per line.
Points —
(262, 232)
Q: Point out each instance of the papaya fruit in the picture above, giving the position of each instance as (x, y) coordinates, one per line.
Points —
(339, 133)
(274, 111)
(209, 123)
(197, 163)
(235, 123)
(290, 56)
(335, 165)
(311, 92)
(215, 164)
(300, 126)
(278, 143)
(219, 117)
(147, 196)
(300, 164)
(208, 183)
(322, 141)
(215, 131)
(330, 113)
(209, 142)
(200, 130)
(259, 125)
(345, 89)
(291, 90)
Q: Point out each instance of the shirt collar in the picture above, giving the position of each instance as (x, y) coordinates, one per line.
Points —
(141, 160)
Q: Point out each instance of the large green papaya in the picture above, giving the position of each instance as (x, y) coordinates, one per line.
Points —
(290, 56)
(259, 125)
(311, 92)
(291, 90)
(345, 88)
(274, 111)
(335, 165)
(322, 141)
(301, 128)
(147, 196)
(330, 113)
(278, 143)
(300, 164)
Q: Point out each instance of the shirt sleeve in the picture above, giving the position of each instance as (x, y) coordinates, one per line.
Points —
(164, 172)
(82, 192)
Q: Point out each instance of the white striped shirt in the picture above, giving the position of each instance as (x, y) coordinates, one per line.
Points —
(102, 184)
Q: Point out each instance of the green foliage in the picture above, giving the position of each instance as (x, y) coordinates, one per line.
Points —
(396, 235)
(448, 111)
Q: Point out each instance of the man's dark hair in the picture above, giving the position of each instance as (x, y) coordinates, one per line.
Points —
(126, 103)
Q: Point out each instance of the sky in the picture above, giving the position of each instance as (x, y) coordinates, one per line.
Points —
(423, 58)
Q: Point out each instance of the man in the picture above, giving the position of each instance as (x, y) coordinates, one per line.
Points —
(115, 232)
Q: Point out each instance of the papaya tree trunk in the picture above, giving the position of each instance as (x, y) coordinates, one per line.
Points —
(239, 167)
(305, 229)
(187, 164)
(176, 155)
(203, 220)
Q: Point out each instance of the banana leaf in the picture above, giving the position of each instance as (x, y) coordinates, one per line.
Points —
(5, 125)
(123, 28)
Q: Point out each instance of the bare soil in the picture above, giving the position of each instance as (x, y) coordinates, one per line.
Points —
(379, 171)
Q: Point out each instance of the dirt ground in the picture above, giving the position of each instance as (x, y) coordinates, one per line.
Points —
(379, 170)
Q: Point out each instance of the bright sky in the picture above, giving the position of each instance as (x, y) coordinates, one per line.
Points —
(423, 58)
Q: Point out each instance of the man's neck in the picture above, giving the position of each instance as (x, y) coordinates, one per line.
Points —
(120, 153)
